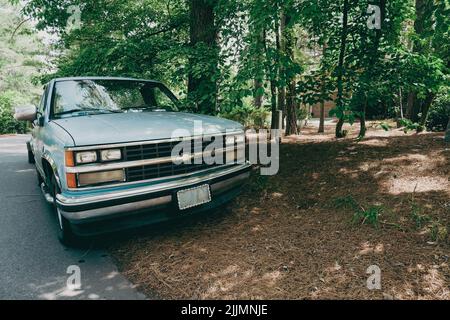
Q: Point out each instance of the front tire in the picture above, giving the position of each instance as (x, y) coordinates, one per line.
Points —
(30, 155)
(39, 178)
(65, 233)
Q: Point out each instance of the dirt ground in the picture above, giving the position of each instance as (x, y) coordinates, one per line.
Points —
(307, 232)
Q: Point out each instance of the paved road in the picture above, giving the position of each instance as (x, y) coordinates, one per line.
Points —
(33, 264)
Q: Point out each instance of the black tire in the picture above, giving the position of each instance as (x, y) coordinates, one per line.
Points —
(40, 180)
(65, 233)
(30, 156)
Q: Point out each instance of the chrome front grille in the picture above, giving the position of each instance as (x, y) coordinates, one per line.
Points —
(161, 150)
(163, 170)
(157, 150)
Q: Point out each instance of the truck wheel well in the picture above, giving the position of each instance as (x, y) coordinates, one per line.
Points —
(48, 171)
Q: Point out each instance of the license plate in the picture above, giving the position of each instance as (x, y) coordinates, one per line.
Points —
(193, 197)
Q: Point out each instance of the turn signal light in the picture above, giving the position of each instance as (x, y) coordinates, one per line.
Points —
(71, 180)
(69, 159)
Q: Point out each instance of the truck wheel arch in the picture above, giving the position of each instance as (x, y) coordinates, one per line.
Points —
(50, 169)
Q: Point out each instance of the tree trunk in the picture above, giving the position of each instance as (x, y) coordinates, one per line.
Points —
(259, 76)
(322, 101)
(258, 96)
(340, 94)
(291, 115)
(447, 133)
(322, 117)
(375, 58)
(399, 114)
(273, 103)
(362, 128)
(425, 107)
(203, 36)
(281, 73)
(423, 25)
(272, 74)
(415, 108)
(410, 105)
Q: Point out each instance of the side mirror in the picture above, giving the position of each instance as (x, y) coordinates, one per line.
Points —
(25, 113)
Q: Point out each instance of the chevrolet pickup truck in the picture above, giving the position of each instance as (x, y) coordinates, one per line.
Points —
(107, 155)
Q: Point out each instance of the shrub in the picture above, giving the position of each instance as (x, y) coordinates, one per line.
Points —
(408, 125)
(439, 113)
(249, 116)
(438, 232)
(370, 216)
(417, 216)
(7, 122)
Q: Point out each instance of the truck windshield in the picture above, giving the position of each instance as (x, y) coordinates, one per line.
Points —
(81, 97)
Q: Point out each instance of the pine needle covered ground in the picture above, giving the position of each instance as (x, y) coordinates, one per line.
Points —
(311, 232)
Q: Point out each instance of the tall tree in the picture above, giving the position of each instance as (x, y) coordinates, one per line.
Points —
(202, 86)
(371, 66)
(424, 25)
(281, 46)
(340, 113)
(322, 95)
(291, 109)
(258, 93)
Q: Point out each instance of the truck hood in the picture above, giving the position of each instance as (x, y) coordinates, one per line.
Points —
(141, 126)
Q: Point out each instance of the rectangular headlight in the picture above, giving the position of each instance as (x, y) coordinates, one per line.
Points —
(86, 157)
(111, 155)
(92, 178)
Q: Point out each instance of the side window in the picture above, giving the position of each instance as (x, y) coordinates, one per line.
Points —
(41, 107)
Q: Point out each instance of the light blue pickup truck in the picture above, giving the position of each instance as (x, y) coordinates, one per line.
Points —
(108, 156)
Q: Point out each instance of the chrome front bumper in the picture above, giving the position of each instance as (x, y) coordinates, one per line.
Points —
(80, 209)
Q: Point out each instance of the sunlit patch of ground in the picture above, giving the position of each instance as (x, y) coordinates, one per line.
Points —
(294, 235)
(417, 184)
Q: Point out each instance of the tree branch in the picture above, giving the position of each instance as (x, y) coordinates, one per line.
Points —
(17, 28)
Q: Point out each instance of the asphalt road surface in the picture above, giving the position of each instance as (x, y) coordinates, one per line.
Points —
(33, 264)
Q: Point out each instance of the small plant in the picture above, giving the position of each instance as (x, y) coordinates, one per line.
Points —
(385, 126)
(347, 202)
(438, 232)
(439, 113)
(370, 216)
(408, 125)
(417, 216)
(361, 215)
(251, 117)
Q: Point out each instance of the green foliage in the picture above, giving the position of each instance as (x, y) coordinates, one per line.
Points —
(347, 202)
(302, 114)
(7, 122)
(370, 215)
(19, 62)
(439, 112)
(438, 232)
(418, 217)
(153, 39)
(408, 125)
(385, 126)
(344, 113)
(249, 116)
(360, 215)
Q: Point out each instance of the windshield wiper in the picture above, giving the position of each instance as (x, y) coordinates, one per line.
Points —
(87, 110)
(144, 106)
